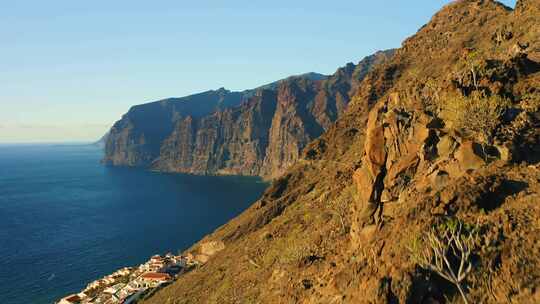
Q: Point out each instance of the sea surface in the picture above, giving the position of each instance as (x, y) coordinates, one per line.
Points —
(66, 220)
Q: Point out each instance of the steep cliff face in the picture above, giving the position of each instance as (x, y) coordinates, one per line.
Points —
(254, 132)
(446, 132)
(135, 140)
(293, 126)
(232, 141)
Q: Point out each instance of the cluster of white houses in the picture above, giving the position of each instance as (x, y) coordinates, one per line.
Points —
(128, 284)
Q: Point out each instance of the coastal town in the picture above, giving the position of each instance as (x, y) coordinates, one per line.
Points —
(130, 284)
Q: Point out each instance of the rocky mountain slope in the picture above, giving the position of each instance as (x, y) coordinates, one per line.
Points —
(440, 145)
(254, 132)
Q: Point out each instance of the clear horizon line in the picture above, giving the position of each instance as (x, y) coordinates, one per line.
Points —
(67, 142)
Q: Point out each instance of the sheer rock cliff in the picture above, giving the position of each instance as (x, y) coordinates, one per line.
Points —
(255, 132)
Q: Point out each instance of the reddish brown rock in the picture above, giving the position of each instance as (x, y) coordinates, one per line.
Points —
(375, 147)
(368, 178)
(468, 157)
(446, 146)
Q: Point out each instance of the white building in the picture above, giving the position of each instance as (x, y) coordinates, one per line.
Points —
(114, 289)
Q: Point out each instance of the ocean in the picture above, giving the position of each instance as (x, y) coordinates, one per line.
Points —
(66, 220)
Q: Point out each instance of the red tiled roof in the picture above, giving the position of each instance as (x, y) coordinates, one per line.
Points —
(73, 298)
(156, 276)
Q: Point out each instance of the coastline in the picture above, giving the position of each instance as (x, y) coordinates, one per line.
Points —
(80, 221)
(129, 284)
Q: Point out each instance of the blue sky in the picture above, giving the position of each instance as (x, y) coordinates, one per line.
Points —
(69, 69)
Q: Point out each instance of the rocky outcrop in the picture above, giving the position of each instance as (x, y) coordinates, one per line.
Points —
(254, 132)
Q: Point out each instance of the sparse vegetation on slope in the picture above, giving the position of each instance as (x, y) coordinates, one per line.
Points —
(411, 167)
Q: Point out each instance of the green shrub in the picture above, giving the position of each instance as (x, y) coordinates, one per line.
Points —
(476, 115)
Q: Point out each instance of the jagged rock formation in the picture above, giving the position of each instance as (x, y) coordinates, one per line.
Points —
(255, 132)
(407, 155)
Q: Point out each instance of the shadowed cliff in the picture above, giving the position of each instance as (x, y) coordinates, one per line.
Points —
(254, 132)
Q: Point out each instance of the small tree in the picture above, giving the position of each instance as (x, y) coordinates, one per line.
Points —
(473, 62)
(444, 246)
(341, 205)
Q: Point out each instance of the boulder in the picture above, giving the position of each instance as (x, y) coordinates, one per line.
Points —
(402, 165)
(374, 147)
(446, 146)
(364, 183)
(420, 134)
(467, 156)
(368, 178)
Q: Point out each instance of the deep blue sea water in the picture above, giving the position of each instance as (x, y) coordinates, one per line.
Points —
(66, 220)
